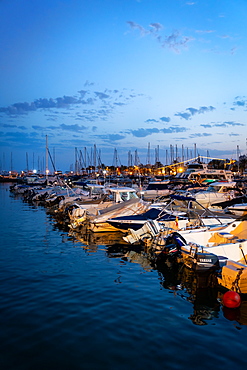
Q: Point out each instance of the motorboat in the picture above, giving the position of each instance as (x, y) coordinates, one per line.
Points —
(217, 192)
(135, 222)
(200, 172)
(177, 213)
(239, 209)
(156, 189)
(118, 200)
(129, 207)
(219, 249)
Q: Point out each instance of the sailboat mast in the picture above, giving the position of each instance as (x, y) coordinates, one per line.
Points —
(46, 159)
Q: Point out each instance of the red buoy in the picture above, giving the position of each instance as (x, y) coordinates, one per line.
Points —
(231, 299)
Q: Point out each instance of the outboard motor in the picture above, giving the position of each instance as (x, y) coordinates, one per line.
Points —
(205, 262)
(172, 246)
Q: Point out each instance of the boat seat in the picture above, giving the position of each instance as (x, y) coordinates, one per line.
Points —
(222, 260)
(226, 235)
(222, 238)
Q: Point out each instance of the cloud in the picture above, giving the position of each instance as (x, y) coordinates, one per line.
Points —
(111, 137)
(240, 103)
(110, 99)
(101, 95)
(165, 119)
(23, 139)
(173, 129)
(228, 123)
(175, 41)
(24, 108)
(193, 111)
(201, 110)
(9, 126)
(115, 137)
(233, 50)
(206, 125)
(82, 93)
(63, 127)
(200, 135)
(87, 83)
(232, 123)
(156, 26)
(151, 120)
(119, 104)
(38, 128)
(135, 26)
(141, 132)
(6, 125)
(204, 31)
(75, 128)
(183, 115)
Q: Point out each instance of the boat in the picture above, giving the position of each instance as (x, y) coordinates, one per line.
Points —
(156, 189)
(200, 172)
(239, 209)
(177, 213)
(225, 250)
(219, 249)
(216, 192)
(135, 222)
(114, 203)
(8, 176)
(129, 207)
(92, 193)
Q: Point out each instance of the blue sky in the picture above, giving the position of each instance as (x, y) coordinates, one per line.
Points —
(121, 74)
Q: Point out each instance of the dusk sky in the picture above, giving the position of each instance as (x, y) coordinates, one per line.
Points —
(124, 74)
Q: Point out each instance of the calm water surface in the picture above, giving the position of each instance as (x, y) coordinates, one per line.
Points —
(69, 304)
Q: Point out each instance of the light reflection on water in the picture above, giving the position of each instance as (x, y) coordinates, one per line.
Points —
(70, 303)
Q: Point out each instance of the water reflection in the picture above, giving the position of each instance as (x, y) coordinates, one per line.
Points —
(91, 241)
(203, 295)
(197, 289)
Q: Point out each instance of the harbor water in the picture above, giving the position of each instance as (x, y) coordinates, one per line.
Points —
(71, 303)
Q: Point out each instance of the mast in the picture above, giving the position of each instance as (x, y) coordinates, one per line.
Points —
(54, 157)
(148, 157)
(27, 161)
(130, 159)
(238, 155)
(46, 159)
(76, 161)
(11, 162)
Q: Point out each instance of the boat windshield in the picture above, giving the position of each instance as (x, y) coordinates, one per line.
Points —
(212, 188)
(127, 195)
(157, 186)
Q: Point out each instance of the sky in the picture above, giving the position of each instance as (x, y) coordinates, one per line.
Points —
(132, 80)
